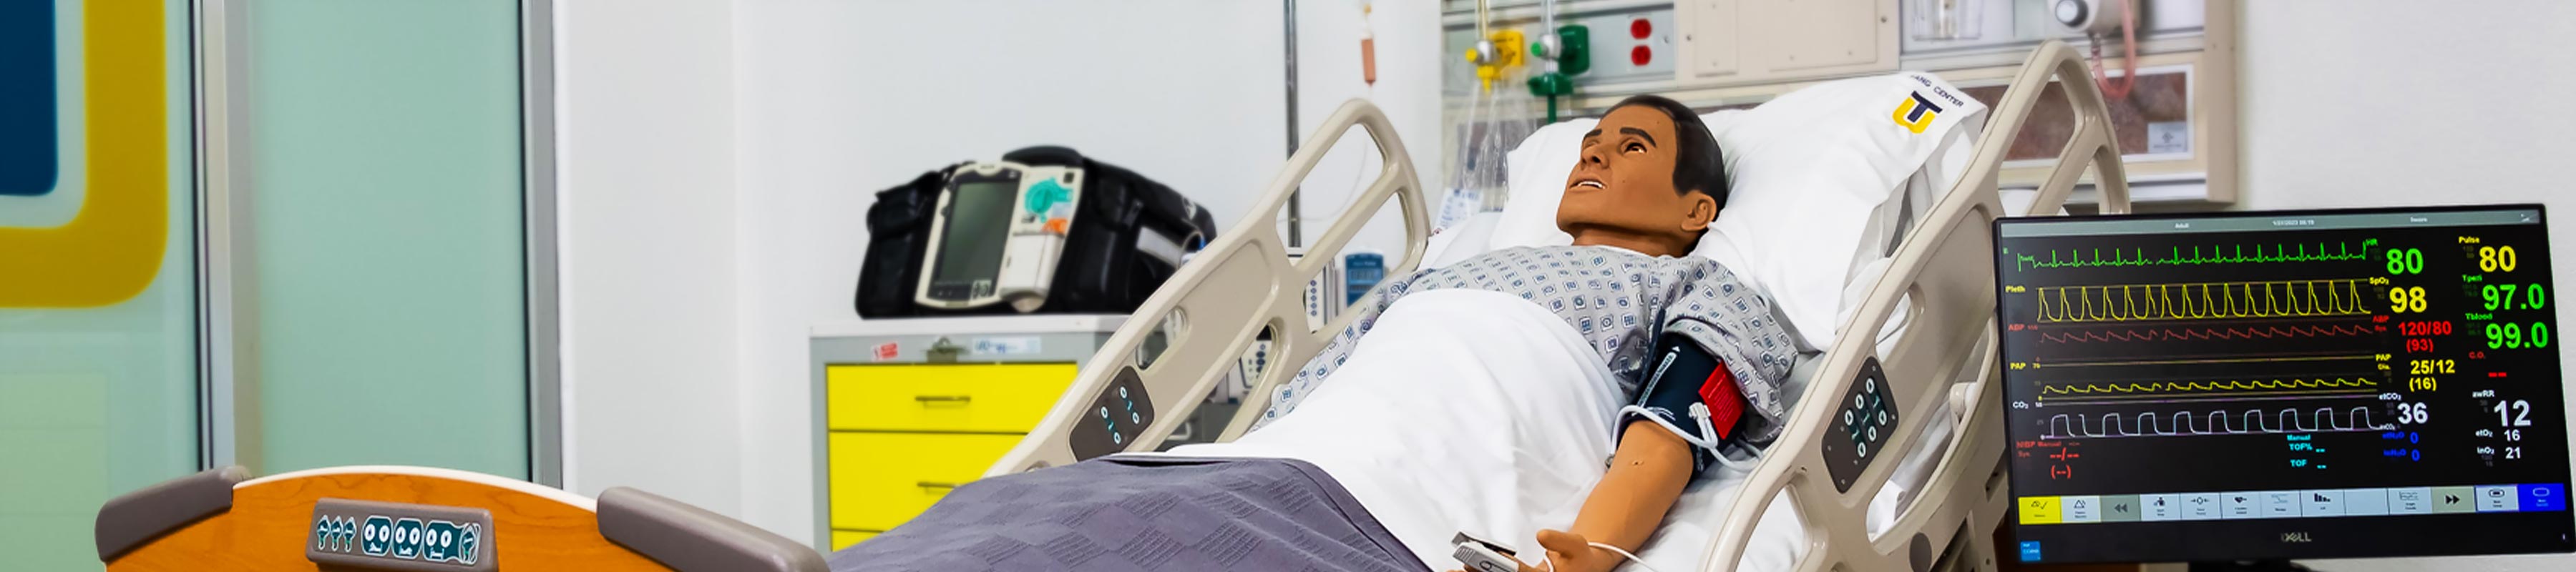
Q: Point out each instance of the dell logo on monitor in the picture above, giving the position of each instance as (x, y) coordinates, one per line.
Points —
(2296, 537)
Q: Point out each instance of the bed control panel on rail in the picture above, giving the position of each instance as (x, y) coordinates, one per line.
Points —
(1865, 420)
(1115, 418)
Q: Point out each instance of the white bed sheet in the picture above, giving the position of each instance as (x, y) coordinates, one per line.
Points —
(1462, 410)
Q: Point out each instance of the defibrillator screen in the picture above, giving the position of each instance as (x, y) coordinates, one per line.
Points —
(970, 250)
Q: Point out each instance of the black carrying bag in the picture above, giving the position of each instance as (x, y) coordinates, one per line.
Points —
(1101, 271)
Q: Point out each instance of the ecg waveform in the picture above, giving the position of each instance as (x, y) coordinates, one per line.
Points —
(2205, 300)
(2199, 334)
(2079, 425)
(2075, 258)
(2186, 386)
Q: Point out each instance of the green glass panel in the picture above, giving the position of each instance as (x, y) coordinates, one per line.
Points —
(387, 244)
(98, 388)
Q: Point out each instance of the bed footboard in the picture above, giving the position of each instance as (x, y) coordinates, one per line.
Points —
(1177, 346)
(419, 518)
(1945, 355)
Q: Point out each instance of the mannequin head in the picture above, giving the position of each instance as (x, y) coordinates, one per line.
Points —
(1650, 179)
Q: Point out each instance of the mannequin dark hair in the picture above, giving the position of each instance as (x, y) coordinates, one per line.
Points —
(1697, 161)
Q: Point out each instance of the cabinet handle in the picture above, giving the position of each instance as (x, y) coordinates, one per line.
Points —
(929, 399)
(936, 485)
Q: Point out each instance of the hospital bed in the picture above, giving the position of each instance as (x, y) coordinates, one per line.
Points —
(417, 518)
(1939, 367)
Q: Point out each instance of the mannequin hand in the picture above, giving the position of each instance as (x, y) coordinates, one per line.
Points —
(1570, 552)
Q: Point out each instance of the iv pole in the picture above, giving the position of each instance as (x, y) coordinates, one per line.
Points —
(1296, 219)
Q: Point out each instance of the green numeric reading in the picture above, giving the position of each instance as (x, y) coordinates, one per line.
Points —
(2507, 336)
(2514, 296)
(2405, 261)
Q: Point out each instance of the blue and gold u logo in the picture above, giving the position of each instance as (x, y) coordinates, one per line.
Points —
(1916, 113)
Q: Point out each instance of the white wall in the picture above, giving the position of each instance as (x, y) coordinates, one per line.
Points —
(718, 158)
(1407, 89)
(2410, 103)
(647, 202)
(840, 100)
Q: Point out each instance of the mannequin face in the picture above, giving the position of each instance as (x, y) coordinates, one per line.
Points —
(1622, 185)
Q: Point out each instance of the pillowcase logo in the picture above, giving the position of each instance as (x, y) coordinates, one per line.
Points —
(1916, 112)
(112, 249)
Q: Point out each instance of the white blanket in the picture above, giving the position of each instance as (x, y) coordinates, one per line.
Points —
(1462, 410)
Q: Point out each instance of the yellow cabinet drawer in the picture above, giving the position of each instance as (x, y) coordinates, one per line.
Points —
(844, 538)
(994, 398)
(880, 480)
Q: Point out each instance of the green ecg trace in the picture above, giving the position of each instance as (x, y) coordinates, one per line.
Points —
(2075, 258)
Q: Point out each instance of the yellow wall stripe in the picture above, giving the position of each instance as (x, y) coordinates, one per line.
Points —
(111, 250)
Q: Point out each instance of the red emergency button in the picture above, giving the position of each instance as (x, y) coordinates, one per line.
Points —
(1640, 28)
(1641, 55)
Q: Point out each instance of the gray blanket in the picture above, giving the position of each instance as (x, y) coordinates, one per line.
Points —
(1128, 513)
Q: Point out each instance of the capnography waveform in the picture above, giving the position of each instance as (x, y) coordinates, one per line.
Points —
(2204, 300)
(2181, 334)
(2076, 258)
(2225, 385)
(2217, 422)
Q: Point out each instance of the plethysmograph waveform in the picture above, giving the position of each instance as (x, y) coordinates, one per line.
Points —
(2089, 258)
(2186, 423)
(2203, 300)
(2182, 334)
(2223, 385)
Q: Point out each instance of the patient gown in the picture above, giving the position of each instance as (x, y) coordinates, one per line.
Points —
(1619, 301)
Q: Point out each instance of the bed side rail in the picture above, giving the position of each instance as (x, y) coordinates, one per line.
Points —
(1946, 268)
(1211, 311)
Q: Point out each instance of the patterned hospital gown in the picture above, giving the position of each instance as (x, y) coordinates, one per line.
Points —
(1616, 299)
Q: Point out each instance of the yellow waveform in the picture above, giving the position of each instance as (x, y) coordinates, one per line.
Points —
(2204, 300)
(2203, 360)
(2174, 386)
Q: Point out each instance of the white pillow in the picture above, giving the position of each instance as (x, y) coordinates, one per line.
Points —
(1809, 169)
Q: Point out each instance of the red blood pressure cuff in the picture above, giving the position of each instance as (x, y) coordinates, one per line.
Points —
(1687, 384)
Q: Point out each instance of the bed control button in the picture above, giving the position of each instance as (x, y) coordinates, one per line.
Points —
(1862, 421)
(1126, 391)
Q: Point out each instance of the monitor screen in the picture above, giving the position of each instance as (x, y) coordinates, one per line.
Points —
(2273, 385)
(970, 251)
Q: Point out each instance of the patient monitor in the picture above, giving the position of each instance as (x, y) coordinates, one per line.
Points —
(2277, 385)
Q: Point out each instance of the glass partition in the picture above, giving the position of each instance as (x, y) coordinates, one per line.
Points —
(384, 266)
(98, 291)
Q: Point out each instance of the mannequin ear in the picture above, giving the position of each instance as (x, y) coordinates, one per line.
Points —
(1700, 211)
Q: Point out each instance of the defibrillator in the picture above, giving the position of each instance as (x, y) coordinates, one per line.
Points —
(1043, 229)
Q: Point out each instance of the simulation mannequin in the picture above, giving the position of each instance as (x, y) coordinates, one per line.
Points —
(1649, 181)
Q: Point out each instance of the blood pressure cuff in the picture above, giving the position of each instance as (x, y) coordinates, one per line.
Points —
(1691, 393)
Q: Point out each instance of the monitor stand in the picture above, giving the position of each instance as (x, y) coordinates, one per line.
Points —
(2250, 566)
